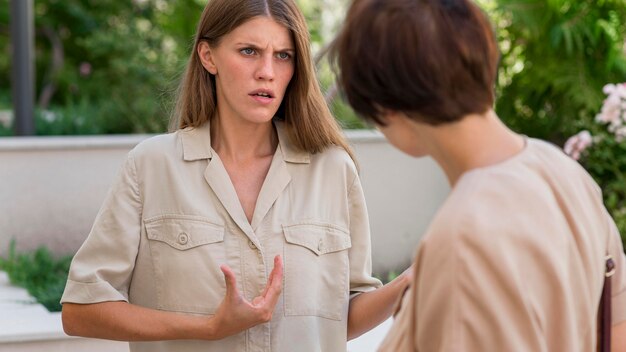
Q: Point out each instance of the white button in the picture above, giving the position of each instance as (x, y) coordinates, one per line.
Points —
(320, 245)
(251, 244)
(183, 238)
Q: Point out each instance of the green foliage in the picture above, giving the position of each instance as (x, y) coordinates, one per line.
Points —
(606, 161)
(112, 66)
(107, 64)
(605, 157)
(556, 57)
(346, 116)
(42, 275)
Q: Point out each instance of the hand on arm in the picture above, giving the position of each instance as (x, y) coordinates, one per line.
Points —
(369, 309)
(127, 322)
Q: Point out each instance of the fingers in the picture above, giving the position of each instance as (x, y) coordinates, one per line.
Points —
(275, 283)
(231, 282)
(277, 264)
(277, 273)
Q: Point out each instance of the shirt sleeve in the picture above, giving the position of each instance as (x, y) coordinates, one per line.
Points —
(360, 253)
(102, 268)
(466, 298)
(618, 280)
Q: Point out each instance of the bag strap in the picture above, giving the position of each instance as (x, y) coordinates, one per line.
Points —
(605, 307)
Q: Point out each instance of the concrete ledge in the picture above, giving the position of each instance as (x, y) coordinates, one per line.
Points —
(9, 144)
(66, 345)
(26, 326)
(53, 187)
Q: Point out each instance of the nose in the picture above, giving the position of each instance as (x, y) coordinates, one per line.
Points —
(265, 71)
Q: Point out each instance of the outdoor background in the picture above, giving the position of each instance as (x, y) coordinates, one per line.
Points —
(111, 67)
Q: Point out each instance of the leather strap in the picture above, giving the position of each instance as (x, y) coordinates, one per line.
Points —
(605, 308)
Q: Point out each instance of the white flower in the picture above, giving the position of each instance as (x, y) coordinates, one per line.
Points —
(49, 116)
(620, 134)
(620, 91)
(608, 89)
(578, 143)
(6, 117)
(610, 109)
(613, 110)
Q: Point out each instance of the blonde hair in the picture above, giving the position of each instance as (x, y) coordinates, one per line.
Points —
(309, 122)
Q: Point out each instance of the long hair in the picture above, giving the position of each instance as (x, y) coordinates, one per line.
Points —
(308, 120)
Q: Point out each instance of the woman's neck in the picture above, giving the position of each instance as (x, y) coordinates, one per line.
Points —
(475, 141)
(239, 141)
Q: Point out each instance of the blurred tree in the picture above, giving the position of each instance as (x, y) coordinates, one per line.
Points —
(5, 54)
(556, 57)
(111, 66)
(104, 66)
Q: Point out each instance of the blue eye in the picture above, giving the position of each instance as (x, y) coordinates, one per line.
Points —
(283, 56)
(247, 51)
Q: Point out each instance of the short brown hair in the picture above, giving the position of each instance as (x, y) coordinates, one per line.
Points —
(435, 60)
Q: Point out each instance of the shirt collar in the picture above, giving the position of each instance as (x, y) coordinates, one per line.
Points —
(196, 142)
(291, 154)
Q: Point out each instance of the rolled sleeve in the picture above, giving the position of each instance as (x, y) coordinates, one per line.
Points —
(102, 268)
(361, 279)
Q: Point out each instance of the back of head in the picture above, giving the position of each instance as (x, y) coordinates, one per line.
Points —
(435, 60)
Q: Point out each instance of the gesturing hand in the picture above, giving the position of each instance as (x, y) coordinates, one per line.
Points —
(236, 314)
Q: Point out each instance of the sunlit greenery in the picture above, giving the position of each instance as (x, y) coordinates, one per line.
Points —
(556, 57)
(39, 272)
(111, 66)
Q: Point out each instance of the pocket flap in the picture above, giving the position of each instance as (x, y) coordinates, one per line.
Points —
(319, 238)
(183, 232)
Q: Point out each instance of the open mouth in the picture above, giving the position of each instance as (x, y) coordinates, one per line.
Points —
(262, 94)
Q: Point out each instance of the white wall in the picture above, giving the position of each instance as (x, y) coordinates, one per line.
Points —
(52, 187)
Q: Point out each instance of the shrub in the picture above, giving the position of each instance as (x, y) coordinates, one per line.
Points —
(556, 57)
(40, 273)
(601, 148)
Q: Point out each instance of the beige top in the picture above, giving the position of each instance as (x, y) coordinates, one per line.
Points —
(513, 261)
(172, 218)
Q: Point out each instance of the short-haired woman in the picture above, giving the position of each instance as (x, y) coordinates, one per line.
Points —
(514, 260)
(186, 253)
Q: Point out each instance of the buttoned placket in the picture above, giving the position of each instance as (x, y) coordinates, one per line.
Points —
(255, 271)
(275, 182)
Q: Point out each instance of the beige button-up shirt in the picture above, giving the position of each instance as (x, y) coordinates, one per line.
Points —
(513, 261)
(172, 218)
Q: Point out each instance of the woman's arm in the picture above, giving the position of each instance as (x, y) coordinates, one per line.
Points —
(127, 322)
(369, 309)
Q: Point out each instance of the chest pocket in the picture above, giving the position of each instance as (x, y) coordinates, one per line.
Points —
(186, 253)
(316, 270)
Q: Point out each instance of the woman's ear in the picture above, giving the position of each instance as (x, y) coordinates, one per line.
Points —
(206, 57)
(391, 116)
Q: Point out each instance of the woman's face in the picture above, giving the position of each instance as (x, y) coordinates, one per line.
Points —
(253, 65)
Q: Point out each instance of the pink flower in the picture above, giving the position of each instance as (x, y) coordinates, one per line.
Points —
(577, 144)
(84, 69)
(614, 110)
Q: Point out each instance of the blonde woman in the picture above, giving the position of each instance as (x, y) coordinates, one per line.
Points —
(515, 258)
(187, 251)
